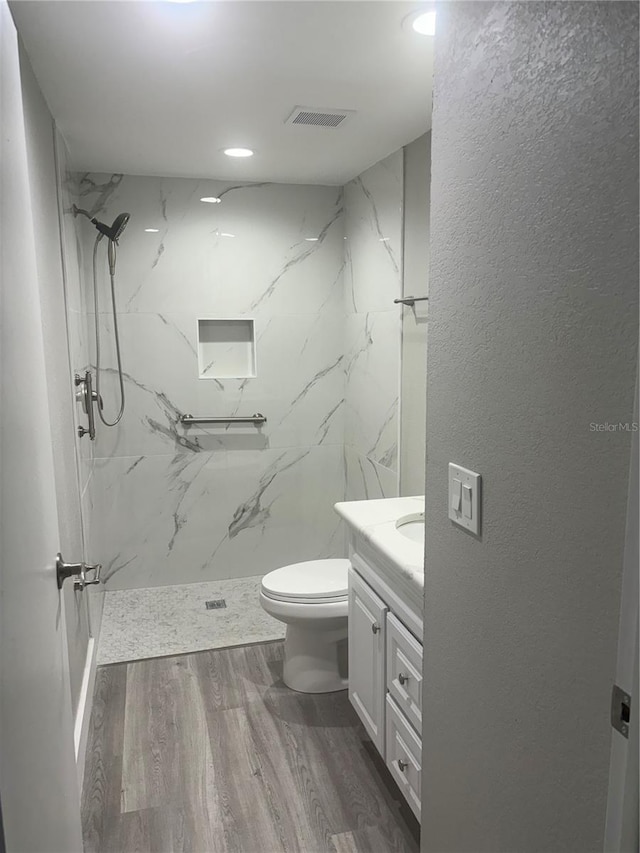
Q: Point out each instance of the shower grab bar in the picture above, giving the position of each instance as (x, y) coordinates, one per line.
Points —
(410, 300)
(256, 419)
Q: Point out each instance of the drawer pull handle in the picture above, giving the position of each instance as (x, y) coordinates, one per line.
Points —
(402, 765)
(402, 678)
(375, 627)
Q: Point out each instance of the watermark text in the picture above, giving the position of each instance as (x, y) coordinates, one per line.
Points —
(619, 426)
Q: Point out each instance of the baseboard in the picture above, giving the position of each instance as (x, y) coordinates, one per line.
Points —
(85, 704)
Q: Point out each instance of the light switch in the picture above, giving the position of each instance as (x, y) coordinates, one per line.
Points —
(464, 497)
(456, 499)
(466, 501)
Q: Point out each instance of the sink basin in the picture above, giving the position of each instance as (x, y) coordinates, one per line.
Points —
(412, 526)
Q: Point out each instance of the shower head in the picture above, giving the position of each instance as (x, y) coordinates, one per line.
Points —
(116, 228)
(119, 224)
(112, 231)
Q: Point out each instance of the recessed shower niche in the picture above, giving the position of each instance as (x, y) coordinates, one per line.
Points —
(226, 349)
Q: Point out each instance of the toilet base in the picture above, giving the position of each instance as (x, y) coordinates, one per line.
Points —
(315, 661)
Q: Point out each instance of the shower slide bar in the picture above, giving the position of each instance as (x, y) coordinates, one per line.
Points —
(410, 300)
(256, 419)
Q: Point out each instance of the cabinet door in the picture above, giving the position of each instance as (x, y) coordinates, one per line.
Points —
(367, 644)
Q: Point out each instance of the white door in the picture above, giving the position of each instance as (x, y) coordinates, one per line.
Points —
(367, 643)
(38, 784)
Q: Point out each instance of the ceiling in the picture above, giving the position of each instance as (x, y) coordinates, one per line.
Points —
(151, 87)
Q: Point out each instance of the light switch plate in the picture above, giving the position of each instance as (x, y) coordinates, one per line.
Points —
(464, 497)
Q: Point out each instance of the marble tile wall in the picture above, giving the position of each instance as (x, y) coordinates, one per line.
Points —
(174, 504)
(415, 319)
(317, 268)
(373, 279)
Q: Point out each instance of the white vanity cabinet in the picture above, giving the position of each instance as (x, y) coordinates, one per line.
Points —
(385, 673)
(386, 589)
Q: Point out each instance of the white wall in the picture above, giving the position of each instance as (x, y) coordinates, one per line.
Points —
(413, 395)
(174, 504)
(42, 179)
(373, 279)
(532, 337)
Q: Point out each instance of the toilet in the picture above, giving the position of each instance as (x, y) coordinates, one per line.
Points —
(312, 600)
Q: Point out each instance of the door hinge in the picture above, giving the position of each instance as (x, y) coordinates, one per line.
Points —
(620, 710)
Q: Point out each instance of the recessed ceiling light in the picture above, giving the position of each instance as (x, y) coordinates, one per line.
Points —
(425, 23)
(224, 234)
(238, 152)
(311, 239)
(152, 230)
(211, 199)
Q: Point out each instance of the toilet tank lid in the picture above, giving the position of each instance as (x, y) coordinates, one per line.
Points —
(313, 579)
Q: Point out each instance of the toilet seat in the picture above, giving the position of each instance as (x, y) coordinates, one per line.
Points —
(312, 582)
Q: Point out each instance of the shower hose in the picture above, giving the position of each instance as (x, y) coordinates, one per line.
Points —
(115, 331)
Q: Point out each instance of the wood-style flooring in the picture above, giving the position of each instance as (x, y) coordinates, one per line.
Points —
(211, 753)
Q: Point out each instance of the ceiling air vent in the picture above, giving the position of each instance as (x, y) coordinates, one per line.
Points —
(313, 117)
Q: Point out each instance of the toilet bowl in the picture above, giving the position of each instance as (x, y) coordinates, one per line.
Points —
(312, 600)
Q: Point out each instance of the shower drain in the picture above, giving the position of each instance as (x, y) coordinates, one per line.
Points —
(215, 604)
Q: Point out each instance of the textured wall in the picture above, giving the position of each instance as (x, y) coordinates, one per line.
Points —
(532, 338)
(415, 265)
(372, 280)
(174, 504)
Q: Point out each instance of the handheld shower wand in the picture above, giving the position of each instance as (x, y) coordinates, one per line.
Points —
(112, 232)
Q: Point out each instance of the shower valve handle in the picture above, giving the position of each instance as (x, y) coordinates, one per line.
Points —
(83, 581)
(77, 570)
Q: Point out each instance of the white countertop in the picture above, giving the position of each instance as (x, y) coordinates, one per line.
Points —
(376, 520)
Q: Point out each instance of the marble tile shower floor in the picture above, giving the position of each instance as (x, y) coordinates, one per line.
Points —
(173, 620)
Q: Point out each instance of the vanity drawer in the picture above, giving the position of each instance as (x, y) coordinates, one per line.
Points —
(404, 671)
(404, 756)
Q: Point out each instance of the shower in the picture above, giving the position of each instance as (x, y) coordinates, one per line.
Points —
(112, 232)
